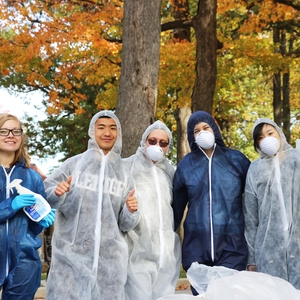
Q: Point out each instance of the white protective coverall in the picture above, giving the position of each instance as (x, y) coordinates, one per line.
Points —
(89, 253)
(154, 247)
(272, 211)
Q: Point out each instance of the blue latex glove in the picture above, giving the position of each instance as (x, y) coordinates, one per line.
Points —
(48, 220)
(22, 201)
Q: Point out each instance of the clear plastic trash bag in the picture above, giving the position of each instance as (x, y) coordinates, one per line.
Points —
(220, 283)
(228, 284)
(200, 275)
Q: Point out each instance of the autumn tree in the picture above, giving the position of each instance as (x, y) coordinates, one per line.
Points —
(279, 20)
(70, 52)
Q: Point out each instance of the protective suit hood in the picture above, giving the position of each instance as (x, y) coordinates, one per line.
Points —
(92, 144)
(198, 117)
(283, 142)
(157, 125)
(163, 164)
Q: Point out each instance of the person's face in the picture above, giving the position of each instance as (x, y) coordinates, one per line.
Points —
(106, 133)
(160, 138)
(202, 126)
(267, 130)
(10, 143)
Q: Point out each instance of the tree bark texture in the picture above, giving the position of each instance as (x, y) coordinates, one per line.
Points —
(206, 56)
(277, 103)
(182, 116)
(286, 111)
(139, 70)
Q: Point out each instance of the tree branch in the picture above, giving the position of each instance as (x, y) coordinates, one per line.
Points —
(176, 24)
(294, 4)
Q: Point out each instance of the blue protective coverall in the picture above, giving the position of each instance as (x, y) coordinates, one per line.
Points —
(20, 265)
(213, 189)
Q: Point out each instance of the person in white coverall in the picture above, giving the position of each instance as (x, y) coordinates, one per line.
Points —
(94, 196)
(154, 247)
(272, 205)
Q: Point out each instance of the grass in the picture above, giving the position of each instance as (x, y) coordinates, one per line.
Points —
(44, 276)
(182, 273)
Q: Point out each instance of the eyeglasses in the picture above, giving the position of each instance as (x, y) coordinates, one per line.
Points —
(6, 132)
(162, 144)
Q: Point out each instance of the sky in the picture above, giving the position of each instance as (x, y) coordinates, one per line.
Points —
(17, 105)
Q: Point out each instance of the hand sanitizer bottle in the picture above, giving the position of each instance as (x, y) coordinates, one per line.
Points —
(37, 211)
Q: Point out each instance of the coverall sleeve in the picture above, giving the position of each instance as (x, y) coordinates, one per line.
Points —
(59, 175)
(6, 210)
(180, 197)
(127, 219)
(250, 207)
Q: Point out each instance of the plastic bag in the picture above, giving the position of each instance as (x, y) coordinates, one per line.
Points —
(227, 284)
(200, 275)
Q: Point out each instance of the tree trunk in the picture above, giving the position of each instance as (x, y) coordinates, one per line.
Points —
(286, 110)
(182, 115)
(277, 98)
(206, 56)
(139, 70)
(277, 105)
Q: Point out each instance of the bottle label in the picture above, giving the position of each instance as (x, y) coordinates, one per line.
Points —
(37, 211)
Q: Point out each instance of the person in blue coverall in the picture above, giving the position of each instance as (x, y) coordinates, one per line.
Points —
(210, 180)
(20, 265)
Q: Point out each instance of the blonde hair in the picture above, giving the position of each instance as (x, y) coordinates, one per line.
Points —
(21, 153)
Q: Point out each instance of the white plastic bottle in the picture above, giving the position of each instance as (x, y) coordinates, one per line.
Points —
(37, 211)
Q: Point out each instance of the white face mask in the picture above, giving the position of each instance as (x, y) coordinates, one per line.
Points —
(269, 145)
(205, 139)
(155, 153)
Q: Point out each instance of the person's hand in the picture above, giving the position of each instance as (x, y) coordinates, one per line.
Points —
(49, 219)
(22, 201)
(251, 268)
(63, 187)
(131, 202)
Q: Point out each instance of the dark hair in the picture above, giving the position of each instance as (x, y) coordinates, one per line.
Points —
(105, 117)
(256, 134)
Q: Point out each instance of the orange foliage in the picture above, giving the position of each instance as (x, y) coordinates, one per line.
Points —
(61, 47)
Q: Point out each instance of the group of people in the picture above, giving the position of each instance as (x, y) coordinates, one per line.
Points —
(241, 215)
(115, 218)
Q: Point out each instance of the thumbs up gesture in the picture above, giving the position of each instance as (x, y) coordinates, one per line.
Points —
(131, 202)
(63, 187)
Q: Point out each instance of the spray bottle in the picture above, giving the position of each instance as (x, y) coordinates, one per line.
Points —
(37, 211)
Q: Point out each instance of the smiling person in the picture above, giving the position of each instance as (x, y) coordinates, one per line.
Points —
(211, 180)
(94, 196)
(272, 205)
(154, 247)
(20, 265)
